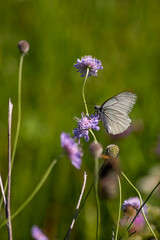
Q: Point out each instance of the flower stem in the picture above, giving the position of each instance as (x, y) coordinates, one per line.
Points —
(120, 203)
(97, 198)
(19, 107)
(95, 139)
(8, 209)
(2, 190)
(83, 95)
(39, 185)
(141, 204)
(18, 121)
(76, 212)
(96, 163)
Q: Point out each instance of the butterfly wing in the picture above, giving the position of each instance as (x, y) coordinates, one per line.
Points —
(114, 112)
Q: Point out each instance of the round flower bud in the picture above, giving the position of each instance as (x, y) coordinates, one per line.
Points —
(112, 150)
(96, 149)
(23, 46)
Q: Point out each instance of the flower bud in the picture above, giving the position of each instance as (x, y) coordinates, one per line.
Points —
(23, 46)
(96, 149)
(112, 150)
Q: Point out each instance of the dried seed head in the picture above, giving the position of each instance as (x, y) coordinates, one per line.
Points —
(96, 149)
(23, 46)
(112, 150)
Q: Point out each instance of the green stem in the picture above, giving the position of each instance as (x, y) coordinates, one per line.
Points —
(18, 121)
(83, 95)
(85, 104)
(97, 198)
(95, 139)
(39, 185)
(96, 163)
(141, 204)
(19, 107)
(120, 204)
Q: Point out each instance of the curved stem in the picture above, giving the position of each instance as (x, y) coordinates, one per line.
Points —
(18, 121)
(19, 107)
(120, 204)
(78, 204)
(85, 104)
(95, 139)
(83, 95)
(141, 204)
(39, 185)
(90, 189)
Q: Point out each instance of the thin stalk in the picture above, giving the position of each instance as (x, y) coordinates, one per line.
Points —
(141, 204)
(87, 195)
(120, 204)
(90, 189)
(35, 191)
(19, 107)
(97, 198)
(18, 121)
(83, 94)
(85, 104)
(78, 204)
(95, 139)
(2, 190)
(96, 163)
(8, 207)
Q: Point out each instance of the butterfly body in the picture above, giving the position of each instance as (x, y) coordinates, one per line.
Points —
(114, 112)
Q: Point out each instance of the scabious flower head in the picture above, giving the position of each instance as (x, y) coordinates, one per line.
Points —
(88, 62)
(133, 202)
(23, 46)
(84, 124)
(130, 208)
(37, 234)
(72, 149)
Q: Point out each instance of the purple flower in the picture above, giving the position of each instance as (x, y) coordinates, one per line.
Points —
(130, 208)
(84, 124)
(88, 62)
(133, 201)
(72, 149)
(37, 234)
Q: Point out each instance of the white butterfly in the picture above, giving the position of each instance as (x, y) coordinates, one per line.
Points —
(114, 112)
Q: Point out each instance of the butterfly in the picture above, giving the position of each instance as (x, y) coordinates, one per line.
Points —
(114, 112)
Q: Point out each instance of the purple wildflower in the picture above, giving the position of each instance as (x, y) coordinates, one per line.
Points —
(88, 62)
(133, 201)
(130, 208)
(84, 124)
(37, 234)
(72, 149)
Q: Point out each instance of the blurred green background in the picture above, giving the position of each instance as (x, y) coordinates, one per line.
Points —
(125, 36)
